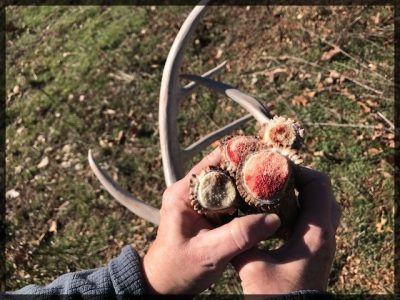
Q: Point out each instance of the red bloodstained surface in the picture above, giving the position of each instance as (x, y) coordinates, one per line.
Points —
(280, 133)
(265, 174)
(237, 148)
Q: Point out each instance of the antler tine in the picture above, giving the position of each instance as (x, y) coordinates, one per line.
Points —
(252, 105)
(169, 95)
(135, 205)
(187, 89)
(205, 141)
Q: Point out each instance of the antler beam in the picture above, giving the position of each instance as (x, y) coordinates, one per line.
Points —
(169, 95)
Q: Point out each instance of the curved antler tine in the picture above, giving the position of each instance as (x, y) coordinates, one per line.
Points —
(169, 95)
(136, 206)
(205, 141)
(252, 105)
(187, 89)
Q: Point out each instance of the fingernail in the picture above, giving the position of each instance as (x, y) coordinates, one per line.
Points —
(272, 220)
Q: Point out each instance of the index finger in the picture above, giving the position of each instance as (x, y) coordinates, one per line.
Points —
(316, 200)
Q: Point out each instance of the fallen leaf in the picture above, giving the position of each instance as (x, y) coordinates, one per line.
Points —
(44, 162)
(334, 74)
(109, 112)
(371, 103)
(374, 151)
(273, 75)
(66, 148)
(12, 194)
(329, 55)
(380, 225)
(319, 153)
(310, 94)
(18, 169)
(300, 100)
(219, 54)
(121, 136)
(53, 226)
(365, 108)
(376, 19)
(328, 80)
(346, 93)
(372, 67)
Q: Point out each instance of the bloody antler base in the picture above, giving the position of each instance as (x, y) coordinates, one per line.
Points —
(261, 172)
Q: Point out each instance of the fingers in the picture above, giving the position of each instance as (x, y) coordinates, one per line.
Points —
(180, 189)
(240, 234)
(315, 194)
(211, 159)
(175, 202)
(317, 215)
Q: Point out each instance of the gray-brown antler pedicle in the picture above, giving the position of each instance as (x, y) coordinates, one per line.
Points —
(171, 94)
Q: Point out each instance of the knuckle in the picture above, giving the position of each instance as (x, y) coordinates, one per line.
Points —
(239, 235)
(169, 199)
(322, 241)
(201, 255)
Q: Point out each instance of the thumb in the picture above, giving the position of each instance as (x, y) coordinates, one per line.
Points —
(241, 234)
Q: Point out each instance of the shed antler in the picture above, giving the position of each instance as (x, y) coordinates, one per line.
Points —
(171, 94)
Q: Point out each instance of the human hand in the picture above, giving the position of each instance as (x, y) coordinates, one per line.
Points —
(189, 254)
(304, 262)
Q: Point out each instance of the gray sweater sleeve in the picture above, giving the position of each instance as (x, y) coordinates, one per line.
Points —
(122, 276)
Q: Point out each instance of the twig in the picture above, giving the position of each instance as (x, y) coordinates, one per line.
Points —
(391, 125)
(377, 97)
(363, 85)
(313, 34)
(348, 125)
(301, 60)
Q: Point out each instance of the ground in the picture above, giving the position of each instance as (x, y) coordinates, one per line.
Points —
(82, 78)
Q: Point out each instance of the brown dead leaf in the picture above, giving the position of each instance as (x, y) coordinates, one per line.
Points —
(219, 54)
(347, 94)
(109, 112)
(365, 108)
(376, 19)
(372, 103)
(330, 54)
(43, 163)
(319, 153)
(380, 224)
(334, 74)
(328, 80)
(120, 136)
(390, 136)
(310, 94)
(277, 73)
(53, 226)
(300, 100)
(373, 151)
(12, 194)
